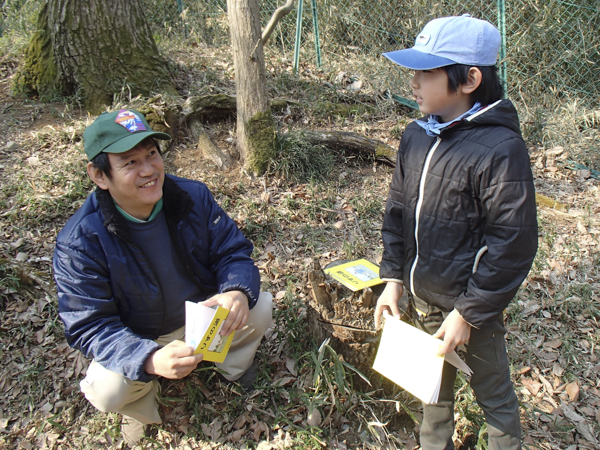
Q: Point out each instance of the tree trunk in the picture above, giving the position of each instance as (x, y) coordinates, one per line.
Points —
(94, 48)
(344, 317)
(256, 131)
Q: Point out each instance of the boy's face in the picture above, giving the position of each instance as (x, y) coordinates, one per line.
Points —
(430, 88)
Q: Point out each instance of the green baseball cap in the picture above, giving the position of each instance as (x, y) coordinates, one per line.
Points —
(117, 132)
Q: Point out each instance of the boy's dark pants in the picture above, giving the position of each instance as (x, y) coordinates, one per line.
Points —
(486, 356)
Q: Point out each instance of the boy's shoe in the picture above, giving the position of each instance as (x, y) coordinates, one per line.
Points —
(132, 431)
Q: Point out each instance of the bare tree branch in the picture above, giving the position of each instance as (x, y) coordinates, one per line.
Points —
(275, 18)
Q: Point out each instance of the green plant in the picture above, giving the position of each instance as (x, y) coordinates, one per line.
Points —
(469, 410)
(9, 281)
(298, 160)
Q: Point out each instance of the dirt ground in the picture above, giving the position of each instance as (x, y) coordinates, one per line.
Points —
(553, 330)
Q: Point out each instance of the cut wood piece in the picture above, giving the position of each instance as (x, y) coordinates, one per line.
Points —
(352, 142)
(208, 149)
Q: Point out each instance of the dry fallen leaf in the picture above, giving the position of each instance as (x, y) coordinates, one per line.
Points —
(523, 370)
(532, 386)
(554, 344)
(240, 421)
(290, 365)
(314, 418)
(557, 370)
(572, 390)
(547, 385)
(236, 435)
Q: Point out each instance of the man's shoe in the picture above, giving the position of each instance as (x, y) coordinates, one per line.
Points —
(248, 378)
(132, 431)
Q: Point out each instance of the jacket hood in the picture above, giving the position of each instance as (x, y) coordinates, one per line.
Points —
(501, 113)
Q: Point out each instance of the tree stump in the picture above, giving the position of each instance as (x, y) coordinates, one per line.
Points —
(346, 318)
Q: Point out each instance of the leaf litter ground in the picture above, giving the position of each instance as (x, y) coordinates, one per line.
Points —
(553, 331)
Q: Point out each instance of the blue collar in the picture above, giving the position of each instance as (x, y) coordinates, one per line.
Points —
(433, 127)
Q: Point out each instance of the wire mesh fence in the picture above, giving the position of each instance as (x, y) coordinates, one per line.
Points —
(551, 53)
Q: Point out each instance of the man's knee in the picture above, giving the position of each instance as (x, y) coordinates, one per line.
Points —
(261, 315)
(109, 391)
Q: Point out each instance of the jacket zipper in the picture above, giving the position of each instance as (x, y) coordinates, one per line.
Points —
(418, 210)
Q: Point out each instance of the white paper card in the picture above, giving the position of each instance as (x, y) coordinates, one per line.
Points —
(407, 356)
(197, 319)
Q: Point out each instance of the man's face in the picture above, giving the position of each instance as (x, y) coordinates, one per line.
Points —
(137, 179)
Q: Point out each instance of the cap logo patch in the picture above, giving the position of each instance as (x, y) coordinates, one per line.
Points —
(130, 120)
(422, 39)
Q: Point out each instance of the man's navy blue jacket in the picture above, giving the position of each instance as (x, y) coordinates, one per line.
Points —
(109, 299)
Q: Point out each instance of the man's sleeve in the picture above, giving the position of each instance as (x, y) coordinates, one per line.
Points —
(507, 197)
(392, 233)
(230, 254)
(90, 316)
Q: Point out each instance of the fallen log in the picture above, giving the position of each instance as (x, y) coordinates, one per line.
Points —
(197, 109)
(352, 142)
(214, 106)
(206, 146)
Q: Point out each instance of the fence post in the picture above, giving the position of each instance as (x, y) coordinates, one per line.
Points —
(298, 36)
(316, 31)
(180, 9)
(502, 55)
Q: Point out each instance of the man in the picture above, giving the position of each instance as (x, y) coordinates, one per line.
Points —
(140, 246)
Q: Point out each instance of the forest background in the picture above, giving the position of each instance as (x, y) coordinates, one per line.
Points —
(313, 203)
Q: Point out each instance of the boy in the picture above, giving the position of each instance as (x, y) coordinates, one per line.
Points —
(460, 229)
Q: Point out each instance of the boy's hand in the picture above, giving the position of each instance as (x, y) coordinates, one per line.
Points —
(175, 360)
(388, 301)
(237, 304)
(455, 332)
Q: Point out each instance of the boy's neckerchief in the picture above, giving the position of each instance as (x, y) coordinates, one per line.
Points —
(433, 127)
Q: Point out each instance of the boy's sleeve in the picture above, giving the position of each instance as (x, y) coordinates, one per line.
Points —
(507, 197)
(392, 233)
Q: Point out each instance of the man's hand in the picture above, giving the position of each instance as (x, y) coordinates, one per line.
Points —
(175, 360)
(237, 304)
(388, 301)
(455, 332)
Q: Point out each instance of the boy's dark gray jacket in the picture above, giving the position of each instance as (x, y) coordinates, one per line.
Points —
(109, 299)
(460, 226)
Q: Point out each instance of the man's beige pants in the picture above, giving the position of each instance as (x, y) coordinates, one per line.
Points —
(111, 392)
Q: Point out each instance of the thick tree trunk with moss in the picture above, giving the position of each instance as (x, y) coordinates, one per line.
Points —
(94, 48)
(256, 131)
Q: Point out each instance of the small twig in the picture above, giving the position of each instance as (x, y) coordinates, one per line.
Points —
(343, 214)
(255, 47)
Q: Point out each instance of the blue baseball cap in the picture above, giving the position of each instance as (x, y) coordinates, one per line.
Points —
(451, 40)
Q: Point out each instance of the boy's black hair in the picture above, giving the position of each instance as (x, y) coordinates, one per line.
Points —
(102, 163)
(488, 91)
